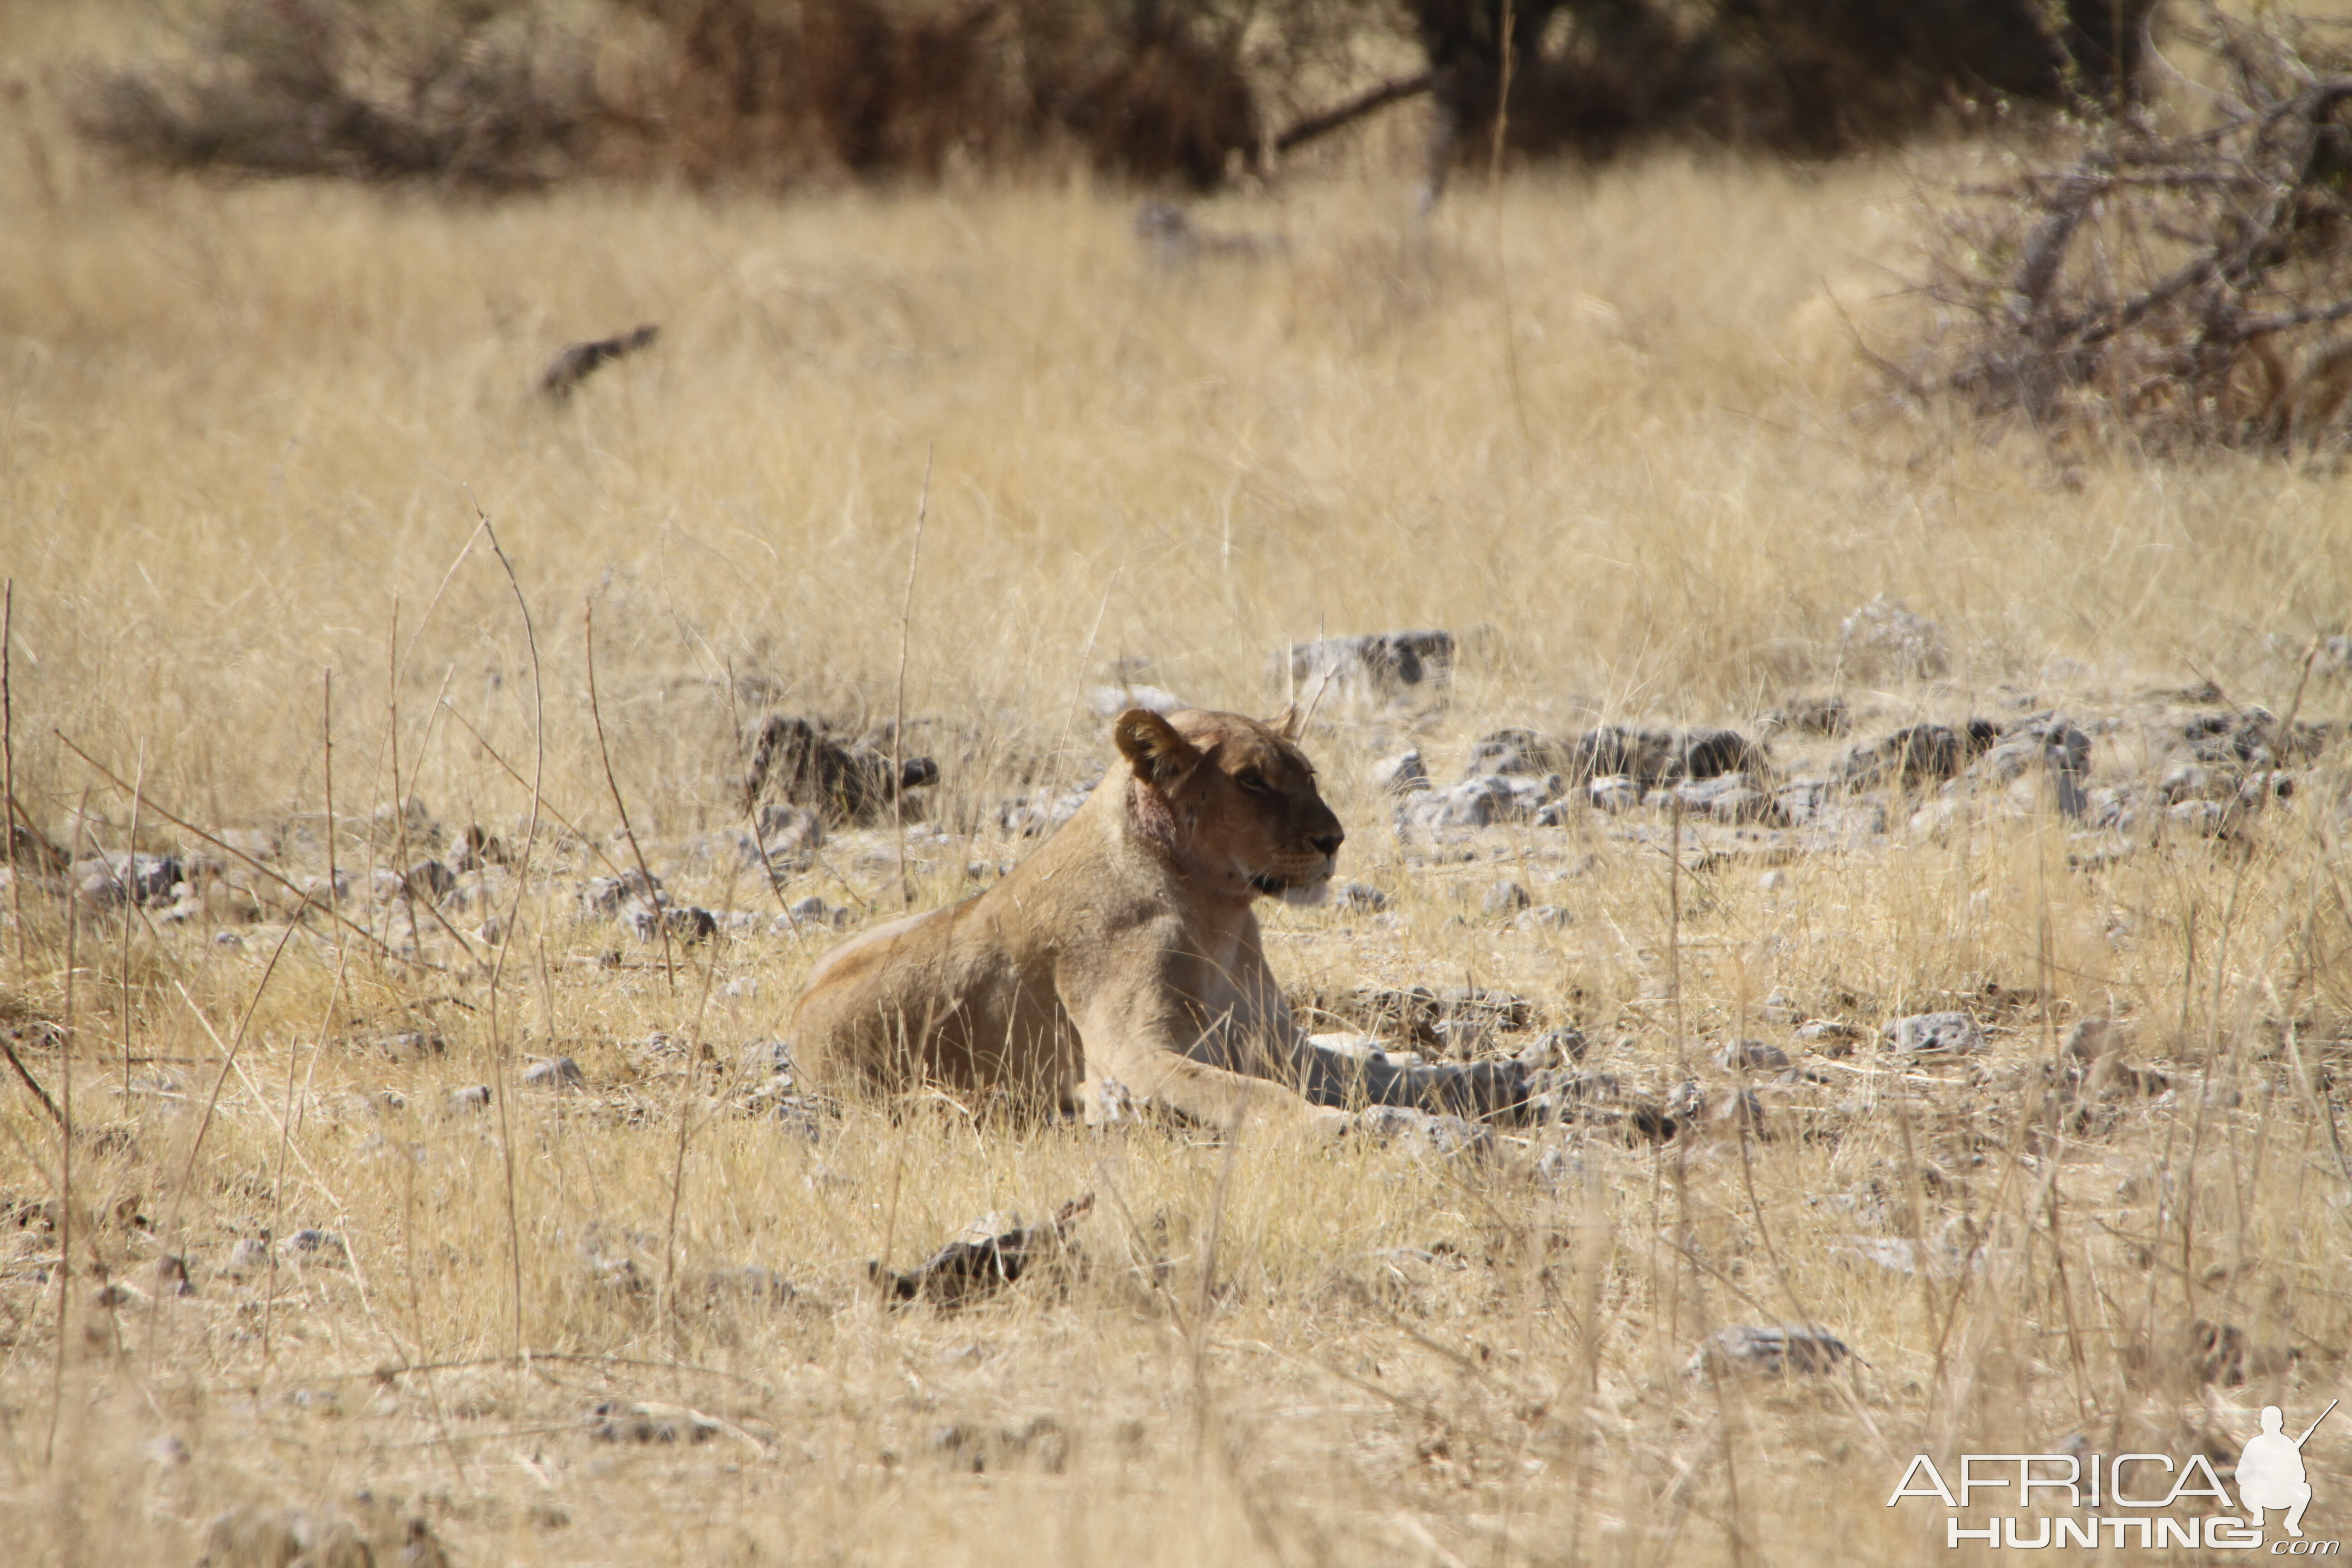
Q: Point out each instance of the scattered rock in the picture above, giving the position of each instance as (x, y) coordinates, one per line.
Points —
(316, 889)
(602, 898)
(477, 847)
(1381, 664)
(1036, 814)
(1506, 898)
(2066, 753)
(1825, 715)
(1901, 1255)
(2089, 1039)
(284, 1538)
(1920, 754)
(1831, 1037)
(2205, 818)
(431, 880)
(1767, 1351)
(1557, 1169)
(1543, 917)
(1516, 751)
(689, 923)
(410, 822)
(1474, 802)
(118, 1296)
(411, 1046)
(992, 1252)
(1401, 775)
(774, 1097)
(748, 1284)
(561, 1074)
(791, 835)
(1653, 757)
(103, 882)
(615, 1421)
(976, 1449)
(475, 1097)
(2253, 737)
(166, 1452)
(312, 1242)
(2221, 1354)
(1615, 793)
(2193, 781)
(1934, 1034)
(763, 1058)
(1423, 1016)
(1359, 898)
(1554, 1049)
(844, 782)
(1425, 1134)
(1362, 1048)
(1752, 1057)
(1741, 1111)
(1726, 798)
(2097, 1071)
(1110, 701)
(1885, 637)
(814, 912)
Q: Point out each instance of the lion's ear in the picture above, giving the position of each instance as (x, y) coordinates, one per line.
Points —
(1288, 723)
(1152, 747)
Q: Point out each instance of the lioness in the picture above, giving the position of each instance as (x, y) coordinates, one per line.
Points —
(1121, 965)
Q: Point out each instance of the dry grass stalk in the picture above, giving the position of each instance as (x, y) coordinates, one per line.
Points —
(501, 1046)
(649, 889)
(898, 688)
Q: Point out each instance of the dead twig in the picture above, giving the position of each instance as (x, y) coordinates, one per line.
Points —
(2172, 284)
(898, 701)
(500, 1054)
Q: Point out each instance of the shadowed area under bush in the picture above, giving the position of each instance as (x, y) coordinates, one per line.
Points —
(515, 93)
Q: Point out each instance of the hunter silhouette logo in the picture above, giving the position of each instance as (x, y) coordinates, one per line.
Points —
(2271, 1473)
(2122, 1500)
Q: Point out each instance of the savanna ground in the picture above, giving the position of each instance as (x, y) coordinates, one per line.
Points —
(1615, 421)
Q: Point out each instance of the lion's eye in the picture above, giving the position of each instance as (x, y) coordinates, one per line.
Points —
(1254, 781)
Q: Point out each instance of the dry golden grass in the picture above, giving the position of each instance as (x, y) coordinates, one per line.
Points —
(1618, 423)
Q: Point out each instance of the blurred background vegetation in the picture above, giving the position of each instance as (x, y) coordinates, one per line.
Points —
(506, 94)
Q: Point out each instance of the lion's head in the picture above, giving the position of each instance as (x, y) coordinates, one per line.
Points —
(1233, 799)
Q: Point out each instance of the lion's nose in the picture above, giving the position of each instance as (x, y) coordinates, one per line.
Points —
(1330, 843)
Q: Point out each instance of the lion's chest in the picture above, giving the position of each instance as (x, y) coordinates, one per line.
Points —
(1237, 1005)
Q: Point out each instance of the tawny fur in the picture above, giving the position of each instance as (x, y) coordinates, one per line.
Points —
(1125, 949)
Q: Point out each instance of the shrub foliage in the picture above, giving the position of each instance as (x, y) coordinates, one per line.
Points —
(516, 93)
(2182, 284)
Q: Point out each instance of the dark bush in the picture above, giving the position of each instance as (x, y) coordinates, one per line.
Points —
(482, 93)
(1806, 76)
(497, 93)
(2179, 283)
